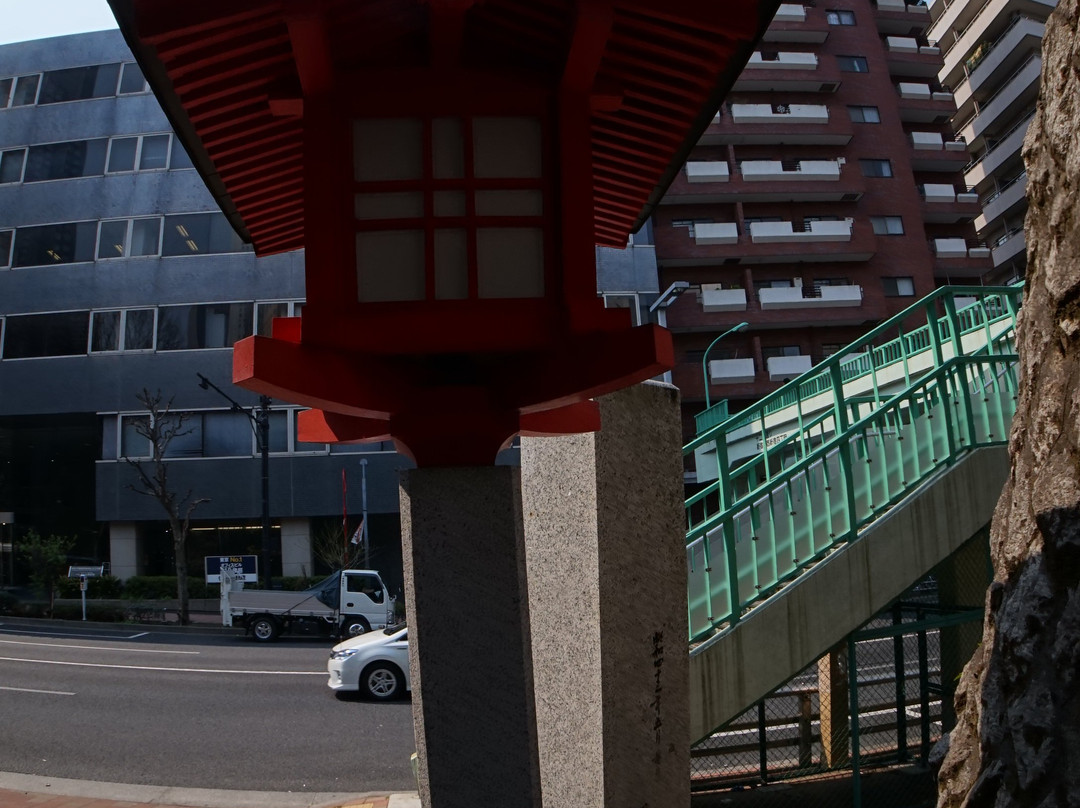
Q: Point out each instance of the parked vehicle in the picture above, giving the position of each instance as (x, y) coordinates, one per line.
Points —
(375, 664)
(346, 604)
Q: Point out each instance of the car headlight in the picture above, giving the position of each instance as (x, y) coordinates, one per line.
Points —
(345, 654)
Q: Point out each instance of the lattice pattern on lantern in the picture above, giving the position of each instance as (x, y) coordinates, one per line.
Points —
(449, 208)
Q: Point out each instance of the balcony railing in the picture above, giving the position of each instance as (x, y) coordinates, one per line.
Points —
(917, 91)
(934, 141)
(786, 232)
(800, 297)
(707, 233)
(958, 248)
(782, 368)
(731, 371)
(790, 12)
(783, 60)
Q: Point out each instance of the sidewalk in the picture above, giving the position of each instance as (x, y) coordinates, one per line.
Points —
(32, 791)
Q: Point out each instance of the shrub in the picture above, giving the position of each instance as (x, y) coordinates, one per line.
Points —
(106, 587)
(8, 603)
(163, 587)
(293, 583)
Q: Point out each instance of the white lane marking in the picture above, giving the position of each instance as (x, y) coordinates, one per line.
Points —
(47, 692)
(167, 670)
(38, 632)
(140, 634)
(95, 647)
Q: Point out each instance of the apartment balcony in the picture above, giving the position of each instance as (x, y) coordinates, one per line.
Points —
(783, 368)
(994, 64)
(717, 300)
(921, 103)
(712, 233)
(775, 243)
(785, 71)
(960, 35)
(943, 204)
(768, 181)
(956, 258)
(931, 152)
(780, 114)
(731, 371)
(774, 124)
(1006, 149)
(1009, 247)
(1019, 92)
(797, 23)
(787, 233)
(905, 57)
(897, 17)
(1008, 199)
(800, 297)
(707, 171)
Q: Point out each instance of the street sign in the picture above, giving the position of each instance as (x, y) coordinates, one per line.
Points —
(89, 572)
(244, 567)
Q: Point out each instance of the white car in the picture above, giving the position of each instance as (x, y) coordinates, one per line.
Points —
(375, 663)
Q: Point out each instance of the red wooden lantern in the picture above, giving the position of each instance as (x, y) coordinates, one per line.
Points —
(454, 163)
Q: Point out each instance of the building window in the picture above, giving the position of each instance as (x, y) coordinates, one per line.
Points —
(200, 234)
(629, 301)
(898, 287)
(122, 238)
(5, 248)
(215, 325)
(690, 224)
(133, 440)
(840, 16)
(11, 165)
(143, 153)
(863, 114)
(33, 336)
(876, 168)
(179, 158)
(780, 350)
(26, 88)
(78, 83)
(853, 64)
(132, 79)
(55, 244)
(265, 313)
(887, 225)
(61, 161)
(122, 330)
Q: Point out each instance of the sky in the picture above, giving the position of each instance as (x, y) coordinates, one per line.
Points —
(34, 19)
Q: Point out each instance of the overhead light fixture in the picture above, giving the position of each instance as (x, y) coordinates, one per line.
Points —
(182, 231)
(192, 245)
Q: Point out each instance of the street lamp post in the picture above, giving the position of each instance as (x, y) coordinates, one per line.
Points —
(705, 359)
(260, 421)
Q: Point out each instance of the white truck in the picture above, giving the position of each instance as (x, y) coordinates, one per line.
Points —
(346, 604)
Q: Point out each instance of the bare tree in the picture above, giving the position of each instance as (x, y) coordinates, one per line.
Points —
(160, 428)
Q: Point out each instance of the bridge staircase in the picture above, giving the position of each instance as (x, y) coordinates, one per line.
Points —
(827, 499)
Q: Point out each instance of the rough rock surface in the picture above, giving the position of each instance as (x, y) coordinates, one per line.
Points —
(1017, 740)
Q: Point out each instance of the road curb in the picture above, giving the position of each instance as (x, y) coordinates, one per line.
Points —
(196, 797)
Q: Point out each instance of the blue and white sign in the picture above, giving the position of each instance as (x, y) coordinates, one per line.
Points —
(245, 567)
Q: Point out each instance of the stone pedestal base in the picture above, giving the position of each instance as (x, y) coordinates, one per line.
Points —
(607, 597)
(467, 605)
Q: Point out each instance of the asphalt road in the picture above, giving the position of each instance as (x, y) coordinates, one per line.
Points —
(132, 705)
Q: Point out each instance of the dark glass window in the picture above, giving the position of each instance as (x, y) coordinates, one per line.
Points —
(122, 153)
(179, 157)
(887, 225)
(139, 330)
(105, 331)
(37, 335)
(5, 91)
(78, 83)
(188, 441)
(840, 16)
(195, 233)
(267, 313)
(155, 152)
(876, 168)
(133, 440)
(210, 326)
(898, 287)
(132, 79)
(11, 165)
(853, 64)
(25, 90)
(113, 235)
(227, 434)
(59, 161)
(55, 244)
(5, 248)
(863, 114)
(145, 235)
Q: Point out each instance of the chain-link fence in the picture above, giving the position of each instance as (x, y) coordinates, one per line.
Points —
(896, 676)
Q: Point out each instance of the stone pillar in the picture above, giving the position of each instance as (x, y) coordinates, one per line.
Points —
(296, 547)
(123, 550)
(607, 597)
(833, 706)
(467, 605)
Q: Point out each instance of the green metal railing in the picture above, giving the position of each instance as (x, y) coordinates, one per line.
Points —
(807, 467)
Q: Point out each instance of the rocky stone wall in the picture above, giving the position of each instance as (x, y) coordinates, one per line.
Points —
(1017, 740)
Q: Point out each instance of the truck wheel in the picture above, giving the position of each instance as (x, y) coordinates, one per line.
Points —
(354, 627)
(381, 681)
(264, 628)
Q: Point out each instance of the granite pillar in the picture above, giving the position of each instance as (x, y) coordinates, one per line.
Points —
(603, 517)
(123, 550)
(296, 557)
(467, 604)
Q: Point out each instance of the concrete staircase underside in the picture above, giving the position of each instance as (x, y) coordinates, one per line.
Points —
(783, 635)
